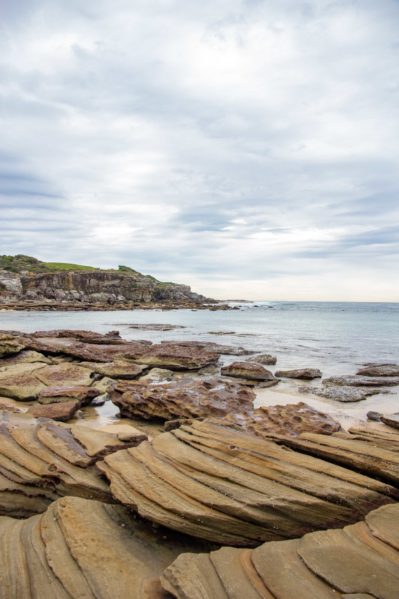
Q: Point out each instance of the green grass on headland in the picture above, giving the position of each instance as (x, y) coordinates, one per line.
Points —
(67, 266)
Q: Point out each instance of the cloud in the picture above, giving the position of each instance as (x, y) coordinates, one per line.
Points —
(224, 144)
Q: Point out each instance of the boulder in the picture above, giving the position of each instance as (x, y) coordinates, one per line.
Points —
(86, 549)
(249, 371)
(299, 373)
(343, 393)
(177, 356)
(265, 359)
(61, 411)
(360, 561)
(181, 398)
(212, 482)
(379, 370)
(362, 381)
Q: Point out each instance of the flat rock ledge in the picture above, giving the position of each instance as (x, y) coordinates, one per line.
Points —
(215, 483)
(181, 398)
(249, 371)
(42, 460)
(359, 562)
(342, 393)
(85, 549)
(300, 373)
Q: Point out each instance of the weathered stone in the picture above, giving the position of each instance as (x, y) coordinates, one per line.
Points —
(60, 394)
(61, 411)
(177, 356)
(216, 348)
(215, 483)
(358, 562)
(250, 371)
(41, 460)
(379, 370)
(265, 359)
(86, 549)
(10, 344)
(157, 375)
(10, 405)
(181, 399)
(300, 373)
(81, 335)
(118, 369)
(20, 381)
(156, 327)
(341, 393)
(391, 419)
(290, 419)
(66, 375)
(25, 357)
(362, 381)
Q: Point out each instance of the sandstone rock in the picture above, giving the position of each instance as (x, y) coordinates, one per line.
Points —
(10, 405)
(41, 460)
(362, 381)
(379, 370)
(250, 371)
(86, 549)
(118, 369)
(25, 357)
(181, 399)
(290, 419)
(216, 348)
(341, 393)
(10, 344)
(177, 356)
(62, 411)
(157, 375)
(300, 373)
(265, 359)
(20, 381)
(84, 395)
(112, 337)
(391, 419)
(66, 375)
(156, 327)
(360, 561)
(215, 483)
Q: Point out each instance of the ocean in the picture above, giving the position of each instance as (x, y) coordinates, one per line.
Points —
(337, 337)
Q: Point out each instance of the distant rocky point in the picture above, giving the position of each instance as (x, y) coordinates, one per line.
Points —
(29, 283)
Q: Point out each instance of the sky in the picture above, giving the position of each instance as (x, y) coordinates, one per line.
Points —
(248, 148)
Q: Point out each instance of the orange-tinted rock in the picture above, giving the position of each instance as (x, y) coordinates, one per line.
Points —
(178, 356)
(61, 411)
(60, 394)
(250, 371)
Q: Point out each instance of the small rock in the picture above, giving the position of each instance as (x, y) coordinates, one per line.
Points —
(375, 416)
(266, 359)
(362, 381)
(248, 370)
(300, 373)
(56, 411)
(379, 370)
(391, 419)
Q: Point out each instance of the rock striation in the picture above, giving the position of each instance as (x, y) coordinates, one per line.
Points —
(85, 549)
(181, 398)
(41, 460)
(251, 372)
(215, 483)
(361, 561)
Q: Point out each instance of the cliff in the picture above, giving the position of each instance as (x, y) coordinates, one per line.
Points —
(28, 282)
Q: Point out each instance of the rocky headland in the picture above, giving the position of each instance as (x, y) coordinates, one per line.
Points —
(30, 284)
(192, 492)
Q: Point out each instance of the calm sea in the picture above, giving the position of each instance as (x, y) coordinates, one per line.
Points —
(335, 337)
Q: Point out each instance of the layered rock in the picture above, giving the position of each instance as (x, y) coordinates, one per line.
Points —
(343, 393)
(379, 370)
(300, 373)
(361, 561)
(215, 483)
(182, 398)
(362, 381)
(177, 356)
(87, 549)
(265, 359)
(250, 371)
(41, 460)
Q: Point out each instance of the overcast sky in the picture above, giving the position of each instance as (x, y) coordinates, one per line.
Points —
(249, 148)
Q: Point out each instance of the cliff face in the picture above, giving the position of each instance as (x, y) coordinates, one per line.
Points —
(109, 287)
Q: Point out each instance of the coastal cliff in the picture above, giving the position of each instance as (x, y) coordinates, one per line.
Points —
(28, 282)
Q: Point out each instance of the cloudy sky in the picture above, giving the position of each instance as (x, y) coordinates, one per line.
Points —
(249, 148)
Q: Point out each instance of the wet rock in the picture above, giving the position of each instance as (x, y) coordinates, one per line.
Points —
(290, 419)
(341, 393)
(221, 332)
(359, 561)
(215, 483)
(86, 549)
(379, 370)
(157, 375)
(184, 398)
(250, 371)
(178, 356)
(62, 411)
(265, 359)
(61, 394)
(362, 381)
(156, 327)
(300, 373)
(41, 460)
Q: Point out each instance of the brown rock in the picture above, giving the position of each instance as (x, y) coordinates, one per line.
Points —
(181, 399)
(67, 375)
(118, 369)
(391, 419)
(341, 393)
(156, 327)
(177, 356)
(56, 411)
(362, 381)
(10, 344)
(250, 371)
(300, 373)
(60, 394)
(20, 381)
(215, 483)
(379, 370)
(86, 549)
(360, 561)
(265, 359)
(216, 348)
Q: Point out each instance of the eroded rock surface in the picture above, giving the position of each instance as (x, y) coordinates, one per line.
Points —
(250, 371)
(265, 359)
(183, 398)
(215, 483)
(85, 549)
(362, 381)
(62, 411)
(300, 373)
(41, 460)
(379, 370)
(358, 562)
(178, 356)
(343, 393)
